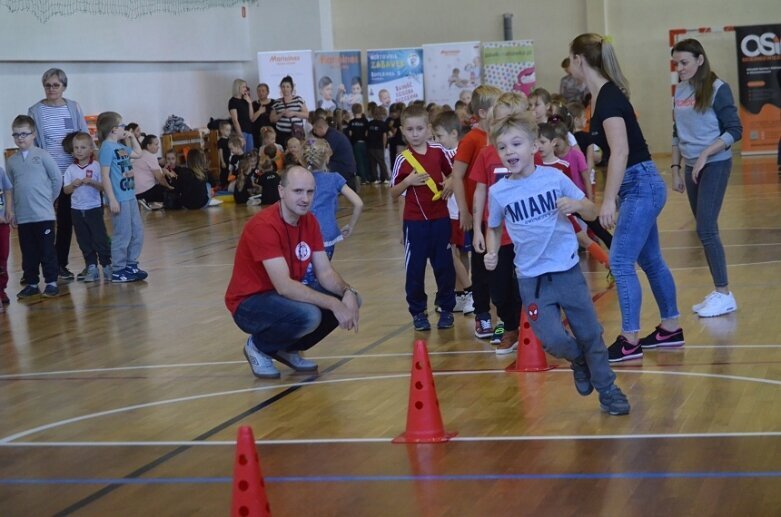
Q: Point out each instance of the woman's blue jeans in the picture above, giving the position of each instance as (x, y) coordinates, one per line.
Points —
(642, 196)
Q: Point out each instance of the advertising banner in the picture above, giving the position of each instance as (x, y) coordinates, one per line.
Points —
(273, 66)
(395, 75)
(509, 65)
(449, 70)
(759, 78)
(338, 79)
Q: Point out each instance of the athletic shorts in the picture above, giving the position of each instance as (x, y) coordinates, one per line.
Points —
(459, 238)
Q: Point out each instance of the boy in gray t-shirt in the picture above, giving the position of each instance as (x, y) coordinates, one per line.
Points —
(532, 203)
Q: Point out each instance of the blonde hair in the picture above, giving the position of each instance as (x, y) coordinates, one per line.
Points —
(483, 98)
(237, 84)
(508, 104)
(196, 161)
(600, 55)
(316, 154)
(107, 121)
(521, 121)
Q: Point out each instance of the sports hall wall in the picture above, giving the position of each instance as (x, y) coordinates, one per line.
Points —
(639, 29)
(153, 66)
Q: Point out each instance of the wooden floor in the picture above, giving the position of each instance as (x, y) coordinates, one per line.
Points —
(125, 399)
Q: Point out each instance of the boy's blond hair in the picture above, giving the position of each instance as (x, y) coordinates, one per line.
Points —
(107, 121)
(510, 103)
(523, 122)
(483, 98)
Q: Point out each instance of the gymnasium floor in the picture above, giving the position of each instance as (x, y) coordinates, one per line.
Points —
(126, 399)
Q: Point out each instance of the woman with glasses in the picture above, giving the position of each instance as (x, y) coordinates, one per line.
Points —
(55, 117)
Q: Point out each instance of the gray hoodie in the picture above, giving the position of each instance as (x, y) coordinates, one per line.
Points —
(37, 182)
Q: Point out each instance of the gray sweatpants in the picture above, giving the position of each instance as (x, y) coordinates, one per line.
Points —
(544, 298)
(128, 235)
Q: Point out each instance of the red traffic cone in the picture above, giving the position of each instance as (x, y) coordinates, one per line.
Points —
(424, 421)
(531, 356)
(249, 489)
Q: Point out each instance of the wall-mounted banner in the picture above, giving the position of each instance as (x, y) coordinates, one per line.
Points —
(759, 77)
(509, 65)
(395, 75)
(273, 66)
(338, 79)
(450, 69)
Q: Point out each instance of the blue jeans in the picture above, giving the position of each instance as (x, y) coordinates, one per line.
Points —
(127, 235)
(705, 199)
(249, 142)
(642, 196)
(278, 323)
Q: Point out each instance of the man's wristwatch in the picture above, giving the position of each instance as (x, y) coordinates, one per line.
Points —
(350, 289)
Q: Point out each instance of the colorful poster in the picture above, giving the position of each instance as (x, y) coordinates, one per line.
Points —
(395, 75)
(759, 77)
(273, 66)
(338, 79)
(509, 65)
(450, 69)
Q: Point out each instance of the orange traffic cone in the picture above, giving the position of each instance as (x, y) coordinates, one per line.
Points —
(531, 356)
(249, 489)
(424, 421)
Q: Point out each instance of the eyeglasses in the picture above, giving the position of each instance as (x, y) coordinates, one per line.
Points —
(50, 86)
(121, 126)
(21, 136)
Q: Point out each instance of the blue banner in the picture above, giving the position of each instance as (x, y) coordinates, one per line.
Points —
(395, 75)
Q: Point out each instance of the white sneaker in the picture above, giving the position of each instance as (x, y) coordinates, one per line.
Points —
(144, 204)
(295, 361)
(460, 300)
(214, 202)
(718, 305)
(469, 303)
(261, 364)
(697, 306)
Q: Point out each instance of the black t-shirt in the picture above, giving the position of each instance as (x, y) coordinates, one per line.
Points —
(269, 182)
(265, 117)
(397, 138)
(242, 113)
(193, 191)
(358, 128)
(377, 129)
(611, 102)
(584, 140)
(222, 145)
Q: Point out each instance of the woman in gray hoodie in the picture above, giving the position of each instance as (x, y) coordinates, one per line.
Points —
(706, 124)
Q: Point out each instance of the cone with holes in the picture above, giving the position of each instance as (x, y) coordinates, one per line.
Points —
(424, 421)
(249, 490)
(531, 356)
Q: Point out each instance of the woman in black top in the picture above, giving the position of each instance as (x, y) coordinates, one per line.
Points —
(242, 114)
(635, 184)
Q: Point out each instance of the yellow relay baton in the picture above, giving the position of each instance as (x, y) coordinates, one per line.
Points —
(407, 154)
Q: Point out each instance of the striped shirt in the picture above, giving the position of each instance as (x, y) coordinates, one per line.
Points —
(285, 124)
(56, 124)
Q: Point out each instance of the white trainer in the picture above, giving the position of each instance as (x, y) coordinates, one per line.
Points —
(469, 303)
(295, 361)
(718, 305)
(697, 306)
(261, 364)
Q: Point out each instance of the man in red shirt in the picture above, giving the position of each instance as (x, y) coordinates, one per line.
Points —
(265, 294)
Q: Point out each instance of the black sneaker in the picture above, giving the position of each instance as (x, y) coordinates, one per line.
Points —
(582, 376)
(421, 322)
(661, 338)
(140, 274)
(613, 401)
(496, 338)
(50, 291)
(28, 292)
(623, 350)
(66, 274)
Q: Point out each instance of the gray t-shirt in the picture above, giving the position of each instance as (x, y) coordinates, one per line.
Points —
(543, 238)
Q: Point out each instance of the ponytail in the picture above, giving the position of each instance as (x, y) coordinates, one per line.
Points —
(599, 54)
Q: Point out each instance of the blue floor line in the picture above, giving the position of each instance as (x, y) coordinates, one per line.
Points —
(358, 479)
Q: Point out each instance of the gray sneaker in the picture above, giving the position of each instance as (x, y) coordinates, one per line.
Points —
(93, 275)
(107, 273)
(582, 376)
(261, 364)
(613, 401)
(295, 361)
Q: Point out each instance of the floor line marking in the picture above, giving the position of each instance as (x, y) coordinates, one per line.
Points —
(60, 423)
(336, 441)
(326, 358)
